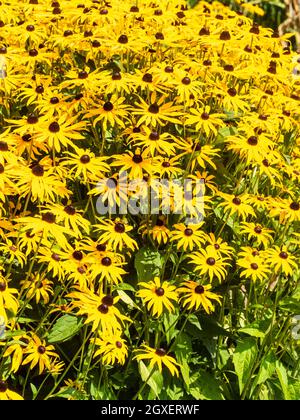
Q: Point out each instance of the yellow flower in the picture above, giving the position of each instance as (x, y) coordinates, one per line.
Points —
(158, 357)
(6, 394)
(196, 295)
(38, 353)
(111, 348)
(208, 261)
(157, 296)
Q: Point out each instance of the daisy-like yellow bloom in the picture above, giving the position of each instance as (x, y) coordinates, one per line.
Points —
(111, 348)
(83, 164)
(136, 162)
(254, 267)
(286, 210)
(108, 267)
(154, 142)
(60, 132)
(158, 357)
(40, 182)
(38, 288)
(15, 350)
(157, 111)
(188, 237)
(204, 120)
(38, 353)
(219, 245)
(196, 296)
(6, 394)
(159, 231)
(280, 259)
(157, 296)
(237, 205)
(8, 302)
(100, 310)
(209, 263)
(201, 155)
(261, 235)
(115, 234)
(110, 113)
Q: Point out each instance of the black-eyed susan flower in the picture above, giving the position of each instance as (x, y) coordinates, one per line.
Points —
(114, 234)
(7, 394)
(188, 237)
(8, 301)
(100, 310)
(281, 259)
(158, 358)
(158, 296)
(260, 234)
(38, 353)
(208, 261)
(111, 348)
(195, 296)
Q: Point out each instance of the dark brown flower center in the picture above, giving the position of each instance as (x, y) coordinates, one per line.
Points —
(258, 229)
(159, 36)
(116, 76)
(3, 386)
(253, 141)
(210, 261)
(77, 255)
(83, 75)
(32, 119)
(153, 109)
(237, 201)
(161, 352)
(3, 146)
(119, 227)
(205, 116)
(284, 255)
(41, 349)
(232, 91)
(137, 159)
(49, 217)
(40, 89)
(166, 164)
(295, 206)
(186, 81)
(27, 138)
(154, 136)
(85, 159)
(169, 69)
(103, 308)
(33, 53)
(225, 36)
(106, 261)
(2, 286)
(148, 78)
(254, 266)
(37, 170)
(160, 291)
(188, 232)
(108, 300)
(123, 39)
(54, 100)
(55, 257)
(108, 106)
(70, 210)
(119, 345)
(101, 247)
(199, 289)
(54, 127)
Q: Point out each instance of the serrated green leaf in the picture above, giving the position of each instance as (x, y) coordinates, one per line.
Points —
(148, 264)
(243, 360)
(64, 328)
(205, 387)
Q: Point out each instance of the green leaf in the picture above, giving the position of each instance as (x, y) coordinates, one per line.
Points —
(211, 328)
(294, 390)
(257, 329)
(266, 370)
(156, 380)
(127, 299)
(148, 264)
(169, 321)
(205, 387)
(243, 360)
(64, 328)
(183, 350)
(283, 379)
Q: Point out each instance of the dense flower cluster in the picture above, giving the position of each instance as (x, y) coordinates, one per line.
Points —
(94, 89)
